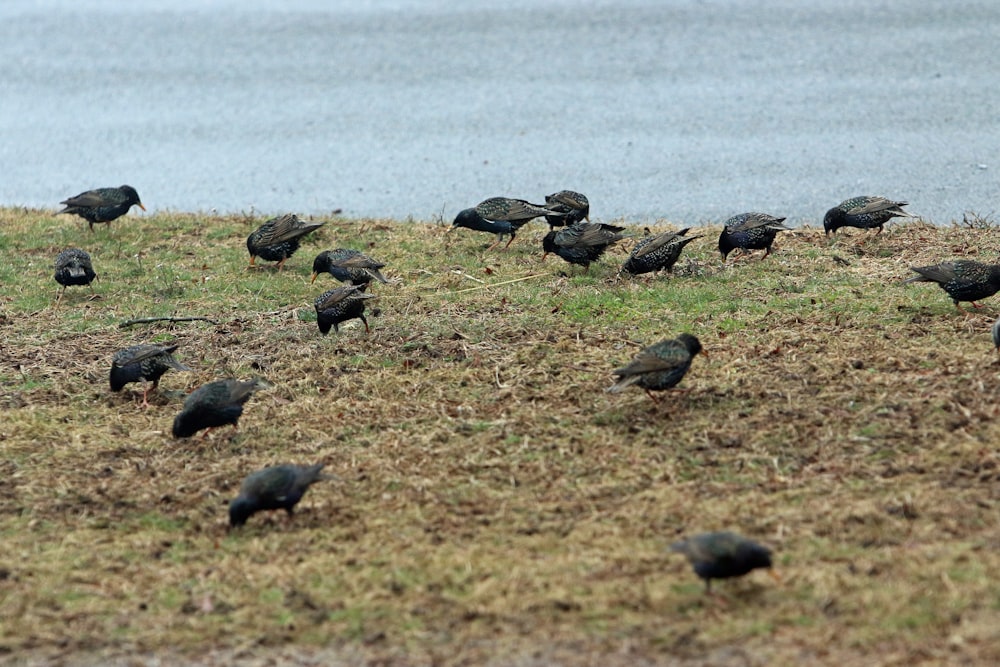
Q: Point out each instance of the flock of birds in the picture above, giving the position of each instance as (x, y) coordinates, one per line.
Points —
(571, 236)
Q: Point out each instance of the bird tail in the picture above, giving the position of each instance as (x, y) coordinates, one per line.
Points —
(625, 381)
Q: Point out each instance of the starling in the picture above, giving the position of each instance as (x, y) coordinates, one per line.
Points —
(572, 207)
(73, 267)
(214, 404)
(278, 238)
(501, 216)
(143, 362)
(654, 253)
(102, 204)
(963, 279)
(660, 366)
(275, 488)
(723, 555)
(750, 231)
(863, 213)
(581, 243)
(339, 305)
(348, 266)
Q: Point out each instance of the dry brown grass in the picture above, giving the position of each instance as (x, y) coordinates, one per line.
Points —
(496, 505)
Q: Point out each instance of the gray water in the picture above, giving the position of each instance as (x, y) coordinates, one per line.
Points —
(685, 110)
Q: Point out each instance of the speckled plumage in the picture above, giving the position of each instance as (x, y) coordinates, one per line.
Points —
(581, 243)
(963, 279)
(571, 207)
(339, 305)
(276, 488)
(278, 238)
(102, 204)
(722, 555)
(73, 267)
(214, 404)
(657, 252)
(864, 213)
(348, 266)
(143, 363)
(502, 216)
(660, 366)
(750, 231)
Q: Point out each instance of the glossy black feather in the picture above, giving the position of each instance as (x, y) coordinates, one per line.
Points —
(102, 204)
(660, 366)
(723, 555)
(143, 362)
(963, 279)
(657, 252)
(340, 305)
(278, 238)
(214, 404)
(863, 212)
(348, 266)
(73, 267)
(750, 231)
(276, 488)
(581, 243)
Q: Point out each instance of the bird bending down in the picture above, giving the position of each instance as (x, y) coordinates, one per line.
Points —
(215, 404)
(750, 231)
(143, 362)
(864, 213)
(278, 238)
(502, 216)
(339, 305)
(102, 204)
(348, 266)
(723, 555)
(659, 252)
(276, 488)
(963, 279)
(73, 267)
(660, 366)
(581, 243)
(567, 207)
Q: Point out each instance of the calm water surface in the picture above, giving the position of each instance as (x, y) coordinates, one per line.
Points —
(685, 110)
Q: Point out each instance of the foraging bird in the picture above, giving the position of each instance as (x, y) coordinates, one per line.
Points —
(864, 213)
(581, 243)
(571, 207)
(102, 204)
(215, 404)
(660, 366)
(278, 238)
(723, 555)
(654, 253)
(348, 266)
(750, 231)
(339, 305)
(73, 267)
(502, 216)
(963, 279)
(276, 488)
(143, 362)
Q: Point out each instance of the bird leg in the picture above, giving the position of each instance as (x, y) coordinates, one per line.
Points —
(650, 394)
(253, 259)
(281, 263)
(145, 394)
(509, 242)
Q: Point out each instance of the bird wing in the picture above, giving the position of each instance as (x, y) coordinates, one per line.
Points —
(937, 273)
(660, 357)
(285, 228)
(874, 205)
(661, 240)
(137, 353)
(335, 296)
(758, 220)
(90, 198)
(356, 260)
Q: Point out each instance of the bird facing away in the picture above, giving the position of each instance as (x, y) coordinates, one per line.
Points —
(339, 305)
(73, 267)
(659, 252)
(863, 213)
(214, 404)
(750, 231)
(660, 366)
(278, 238)
(501, 216)
(102, 204)
(348, 266)
(963, 279)
(143, 362)
(581, 243)
(723, 555)
(571, 207)
(276, 488)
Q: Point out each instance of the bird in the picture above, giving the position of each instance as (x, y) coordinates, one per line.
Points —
(279, 487)
(963, 279)
(660, 366)
(723, 555)
(215, 404)
(339, 305)
(654, 253)
(581, 243)
(102, 204)
(278, 238)
(864, 213)
(73, 267)
(996, 335)
(750, 231)
(348, 266)
(571, 207)
(143, 362)
(502, 216)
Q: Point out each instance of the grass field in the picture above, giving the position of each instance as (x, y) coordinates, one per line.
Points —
(496, 505)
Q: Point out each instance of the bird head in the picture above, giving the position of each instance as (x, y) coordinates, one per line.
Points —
(240, 510)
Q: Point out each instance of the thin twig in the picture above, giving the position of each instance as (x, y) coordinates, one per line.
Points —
(147, 320)
(505, 282)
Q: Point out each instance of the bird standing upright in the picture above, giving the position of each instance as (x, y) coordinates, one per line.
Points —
(750, 231)
(660, 366)
(863, 213)
(102, 204)
(73, 267)
(963, 279)
(276, 488)
(723, 555)
(143, 362)
(278, 238)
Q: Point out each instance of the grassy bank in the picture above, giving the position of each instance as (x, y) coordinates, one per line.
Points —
(495, 502)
